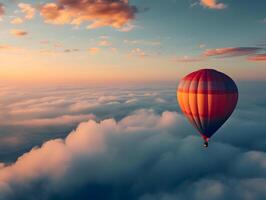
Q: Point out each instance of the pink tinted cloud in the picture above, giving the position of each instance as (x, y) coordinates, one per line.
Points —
(104, 43)
(18, 32)
(56, 121)
(114, 13)
(16, 20)
(212, 4)
(231, 51)
(28, 10)
(53, 159)
(258, 57)
(2, 10)
(94, 50)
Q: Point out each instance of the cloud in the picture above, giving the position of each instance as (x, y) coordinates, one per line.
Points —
(18, 32)
(194, 4)
(5, 47)
(71, 50)
(114, 13)
(2, 10)
(212, 4)
(16, 20)
(202, 46)
(43, 105)
(94, 50)
(114, 50)
(257, 57)
(132, 150)
(10, 48)
(143, 42)
(231, 51)
(62, 156)
(127, 28)
(138, 52)
(142, 156)
(28, 10)
(186, 59)
(56, 121)
(216, 189)
(104, 43)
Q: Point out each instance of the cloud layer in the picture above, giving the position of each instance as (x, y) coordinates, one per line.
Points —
(34, 115)
(142, 156)
(114, 13)
(128, 147)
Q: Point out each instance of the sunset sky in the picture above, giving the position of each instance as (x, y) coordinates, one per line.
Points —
(88, 99)
(68, 41)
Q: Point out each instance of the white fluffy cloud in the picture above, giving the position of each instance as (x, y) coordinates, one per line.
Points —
(28, 10)
(143, 156)
(54, 158)
(129, 147)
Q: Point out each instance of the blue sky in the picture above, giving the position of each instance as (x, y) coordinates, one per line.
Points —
(162, 34)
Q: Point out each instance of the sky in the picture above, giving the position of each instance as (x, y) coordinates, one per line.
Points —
(129, 41)
(88, 100)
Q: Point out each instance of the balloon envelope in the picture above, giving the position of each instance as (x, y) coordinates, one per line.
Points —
(207, 98)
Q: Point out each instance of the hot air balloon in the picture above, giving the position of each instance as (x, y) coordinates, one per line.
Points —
(207, 97)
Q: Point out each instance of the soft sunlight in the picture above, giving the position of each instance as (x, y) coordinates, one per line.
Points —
(132, 100)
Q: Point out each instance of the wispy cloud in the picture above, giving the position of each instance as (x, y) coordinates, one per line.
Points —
(56, 121)
(142, 42)
(5, 47)
(28, 10)
(128, 27)
(94, 50)
(212, 4)
(257, 57)
(138, 52)
(71, 50)
(186, 59)
(10, 48)
(231, 51)
(202, 46)
(114, 50)
(16, 20)
(18, 32)
(2, 10)
(104, 43)
(114, 13)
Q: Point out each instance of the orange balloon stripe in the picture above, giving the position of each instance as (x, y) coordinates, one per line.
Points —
(222, 92)
(206, 108)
